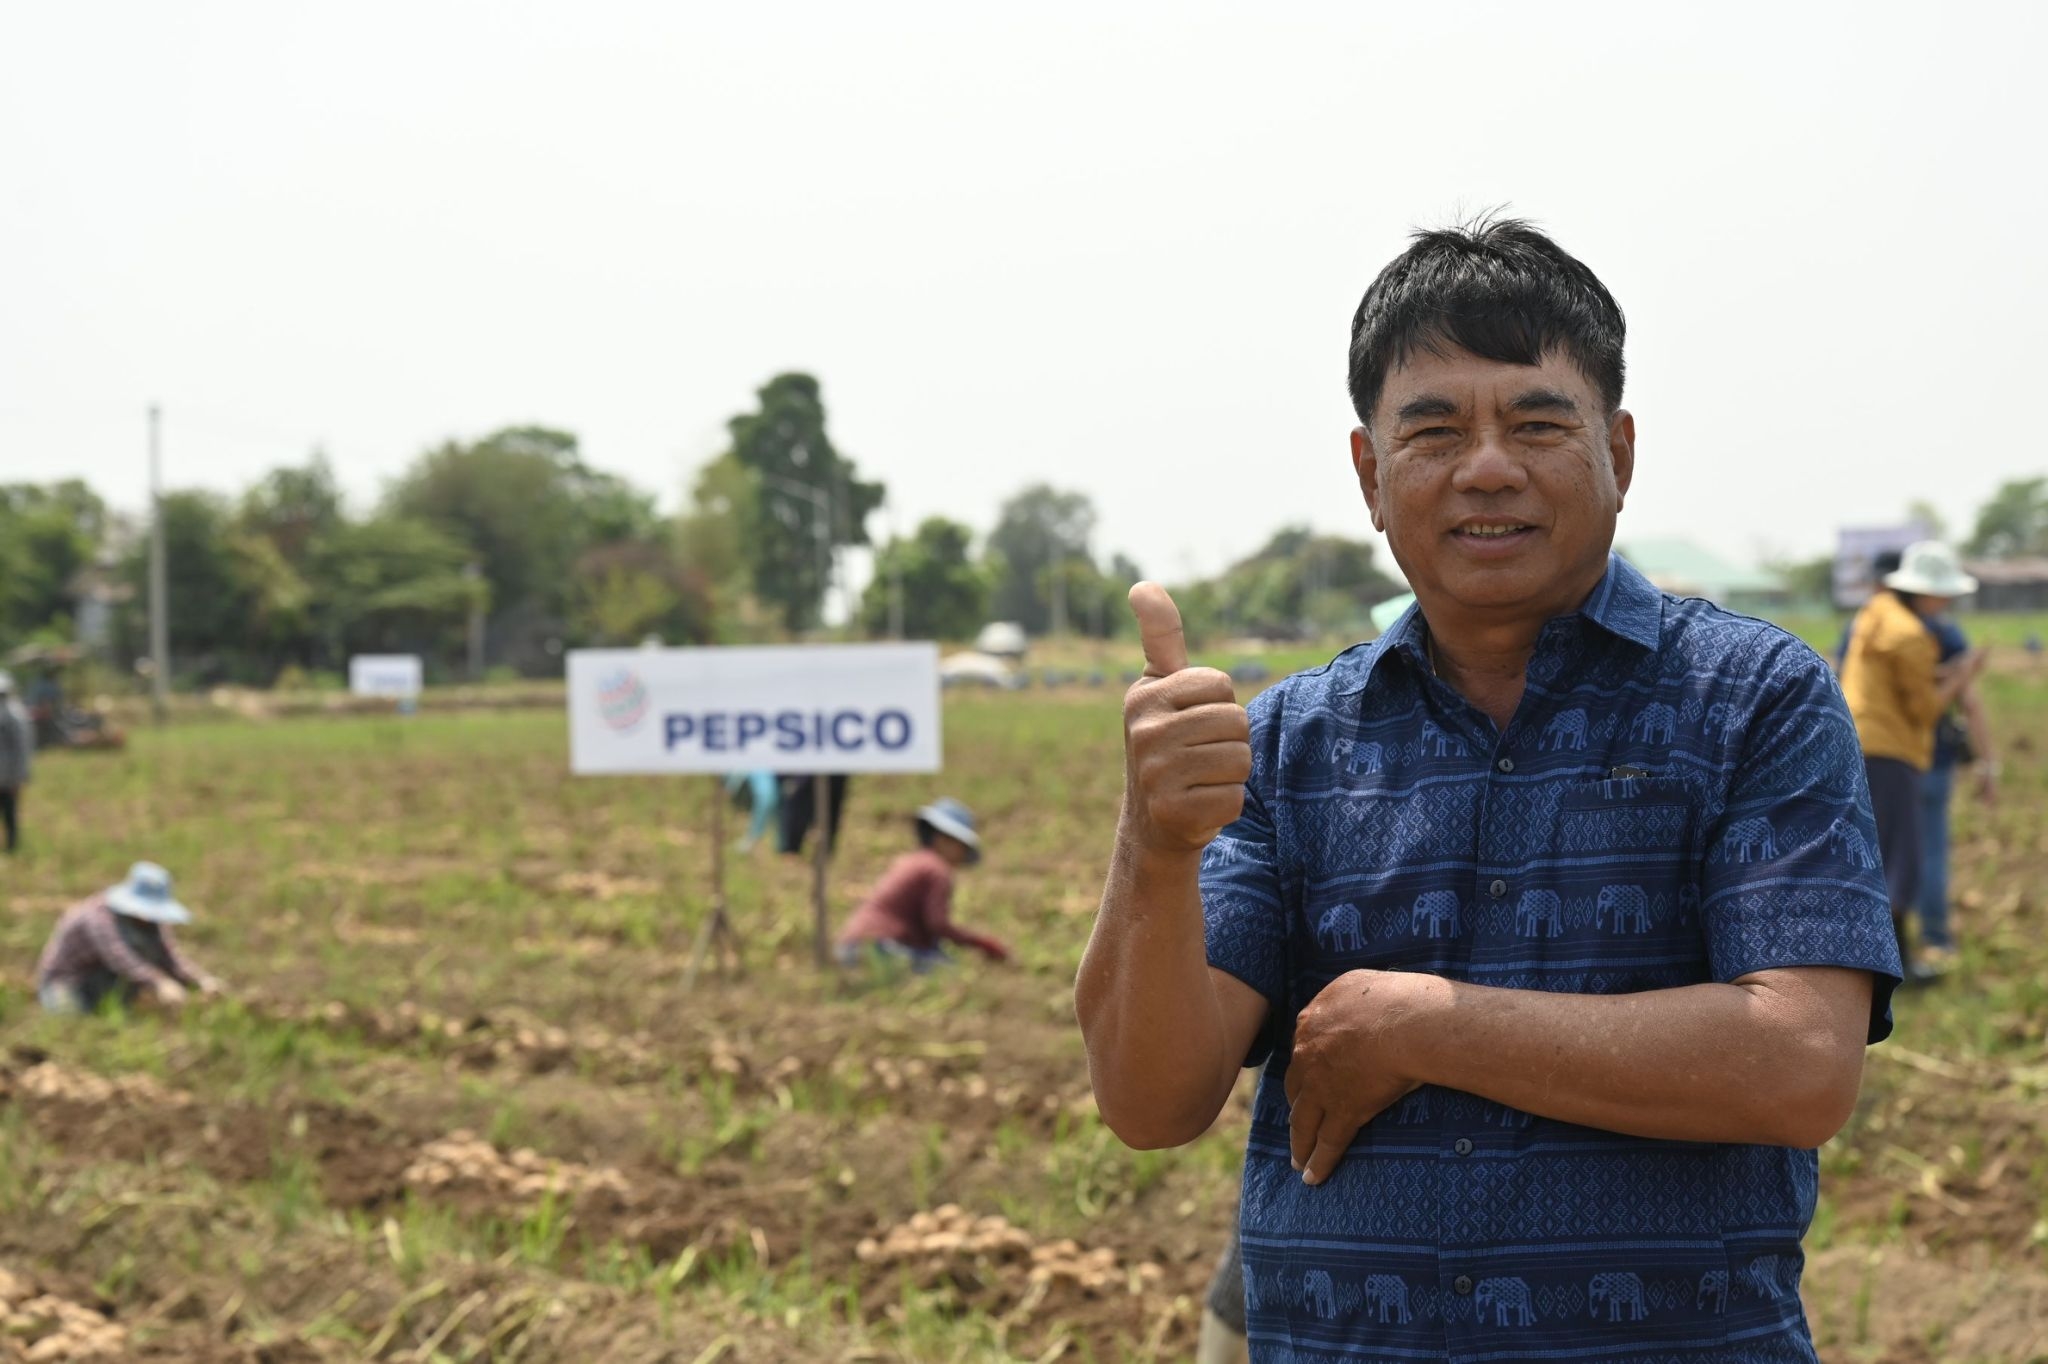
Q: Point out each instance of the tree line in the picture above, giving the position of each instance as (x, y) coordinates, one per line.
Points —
(512, 545)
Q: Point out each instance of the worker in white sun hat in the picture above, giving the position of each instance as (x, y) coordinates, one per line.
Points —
(120, 941)
(1898, 689)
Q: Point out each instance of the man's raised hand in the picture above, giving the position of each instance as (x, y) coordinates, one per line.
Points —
(1187, 743)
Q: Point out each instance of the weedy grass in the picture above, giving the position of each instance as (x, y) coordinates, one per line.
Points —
(446, 861)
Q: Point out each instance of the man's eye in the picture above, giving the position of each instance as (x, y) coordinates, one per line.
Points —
(1433, 433)
(1541, 428)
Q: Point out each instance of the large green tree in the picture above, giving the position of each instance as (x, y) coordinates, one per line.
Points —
(944, 592)
(2014, 521)
(808, 501)
(1301, 583)
(48, 533)
(394, 584)
(293, 507)
(1040, 532)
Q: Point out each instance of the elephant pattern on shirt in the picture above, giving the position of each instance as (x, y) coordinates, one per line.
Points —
(1366, 757)
(1656, 723)
(1505, 1299)
(1760, 1276)
(1567, 729)
(1847, 841)
(1754, 839)
(1539, 913)
(1340, 929)
(1440, 741)
(1625, 903)
(1618, 1293)
(1387, 1296)
(1714, 1289)
(1436, 910)
(1318, 1294)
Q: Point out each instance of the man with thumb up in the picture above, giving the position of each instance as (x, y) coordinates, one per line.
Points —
(1551, 913)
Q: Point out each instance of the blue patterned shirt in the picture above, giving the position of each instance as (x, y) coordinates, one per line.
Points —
(1679, 798)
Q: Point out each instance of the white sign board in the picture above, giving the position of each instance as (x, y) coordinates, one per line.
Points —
(394, 675)
(784, 708)
(1856, 551)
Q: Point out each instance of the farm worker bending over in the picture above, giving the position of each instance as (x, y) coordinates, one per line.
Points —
(17, 752)
(1555, 907)
(120, 940)
(910, 912)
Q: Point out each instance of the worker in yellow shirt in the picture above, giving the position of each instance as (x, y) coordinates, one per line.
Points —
(1898, 689)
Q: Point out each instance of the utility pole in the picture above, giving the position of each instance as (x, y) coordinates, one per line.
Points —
(472, 573)
(1059, 598)
(895, 552)
(159, 605)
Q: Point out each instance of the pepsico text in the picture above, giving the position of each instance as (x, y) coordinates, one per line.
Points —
(785, 731)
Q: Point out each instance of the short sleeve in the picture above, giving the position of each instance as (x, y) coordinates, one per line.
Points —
(1792, 876)
(1243, 902)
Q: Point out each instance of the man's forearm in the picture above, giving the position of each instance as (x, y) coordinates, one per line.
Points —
(1722, 1063)
(1148, 1010)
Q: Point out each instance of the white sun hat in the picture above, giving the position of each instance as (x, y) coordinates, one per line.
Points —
(146, 895)
(1931, 569)
(950, 817)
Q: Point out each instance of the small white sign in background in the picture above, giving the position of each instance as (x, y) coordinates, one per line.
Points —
(785, 708)
(395, 675)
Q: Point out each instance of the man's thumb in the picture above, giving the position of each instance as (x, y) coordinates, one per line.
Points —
(1166, 649)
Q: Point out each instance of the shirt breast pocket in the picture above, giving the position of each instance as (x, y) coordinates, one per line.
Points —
(1628, 861)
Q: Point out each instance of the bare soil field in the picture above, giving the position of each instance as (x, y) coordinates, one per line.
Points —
(461, 1105)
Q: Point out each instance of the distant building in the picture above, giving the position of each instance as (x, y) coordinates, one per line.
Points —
(1686, 569)
(2010, 584)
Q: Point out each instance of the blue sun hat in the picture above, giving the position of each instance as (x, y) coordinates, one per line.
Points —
(146, 895)
(948, 816)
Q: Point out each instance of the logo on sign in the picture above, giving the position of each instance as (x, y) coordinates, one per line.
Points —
(622, 700)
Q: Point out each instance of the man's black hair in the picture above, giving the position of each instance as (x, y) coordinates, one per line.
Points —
(1495, 287)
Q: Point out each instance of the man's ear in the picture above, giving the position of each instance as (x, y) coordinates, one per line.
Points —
(1621, 450)
(1365, 459)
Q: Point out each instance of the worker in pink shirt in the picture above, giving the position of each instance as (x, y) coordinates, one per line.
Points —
(909, 914)
(119, 940)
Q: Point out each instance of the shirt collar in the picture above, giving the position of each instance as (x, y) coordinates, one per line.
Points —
(1625, 604)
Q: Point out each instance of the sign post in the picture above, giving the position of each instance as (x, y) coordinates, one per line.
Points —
(400, 677)
(814, 709)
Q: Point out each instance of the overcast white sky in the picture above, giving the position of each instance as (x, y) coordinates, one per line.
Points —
(1112, 246)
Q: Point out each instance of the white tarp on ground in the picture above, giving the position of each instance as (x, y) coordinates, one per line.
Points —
(787, 708)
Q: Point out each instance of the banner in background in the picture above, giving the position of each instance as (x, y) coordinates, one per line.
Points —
(400, 676)
(783, 708)
(1856, 550)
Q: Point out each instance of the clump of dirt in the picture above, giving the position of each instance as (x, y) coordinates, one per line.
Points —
(498, 1037)
(48, 1080)
(38, 1326)
(949, 1246)
(465, 1160)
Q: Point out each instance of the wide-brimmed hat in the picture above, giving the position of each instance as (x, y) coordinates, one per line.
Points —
(1931, 569)
(146, 895)
(949, 817)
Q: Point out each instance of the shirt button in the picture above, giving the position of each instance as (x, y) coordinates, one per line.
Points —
(1506, 764)
(1497, 889)
(1463, 1146)
(1463, 1283)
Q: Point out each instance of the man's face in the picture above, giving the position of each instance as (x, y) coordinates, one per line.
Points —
(1496, 485)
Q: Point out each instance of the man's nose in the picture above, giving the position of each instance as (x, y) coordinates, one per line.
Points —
(1490, 464)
